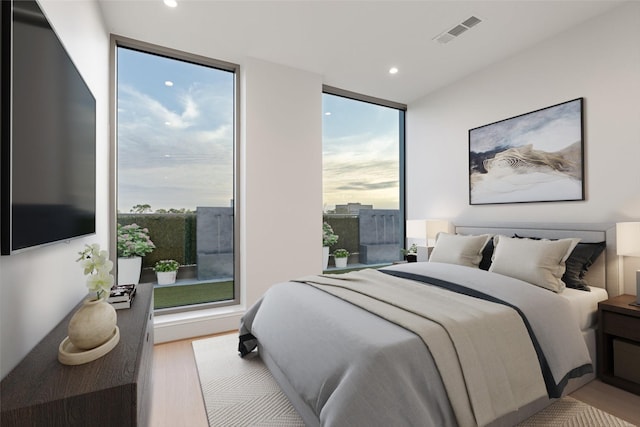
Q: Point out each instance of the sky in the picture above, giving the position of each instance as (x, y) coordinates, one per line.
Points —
(360, 153)
(175, 139)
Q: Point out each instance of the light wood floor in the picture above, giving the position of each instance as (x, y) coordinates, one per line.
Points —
(177, 399)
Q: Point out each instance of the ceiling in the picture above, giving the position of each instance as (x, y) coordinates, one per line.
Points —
(353, 44)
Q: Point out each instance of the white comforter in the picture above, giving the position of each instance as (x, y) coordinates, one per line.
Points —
(349, 367)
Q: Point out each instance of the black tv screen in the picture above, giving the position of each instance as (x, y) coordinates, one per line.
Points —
(48, 135)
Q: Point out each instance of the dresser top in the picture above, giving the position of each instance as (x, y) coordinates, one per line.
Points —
(40, 377)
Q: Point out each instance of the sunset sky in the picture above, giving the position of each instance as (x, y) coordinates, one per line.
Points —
(175, 139)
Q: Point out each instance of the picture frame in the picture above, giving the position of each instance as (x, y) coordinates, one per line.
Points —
(533, 157)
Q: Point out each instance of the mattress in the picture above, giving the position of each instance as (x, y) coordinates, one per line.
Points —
(584, 305)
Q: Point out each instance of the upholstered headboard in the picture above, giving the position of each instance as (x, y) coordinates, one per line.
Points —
(603, 273)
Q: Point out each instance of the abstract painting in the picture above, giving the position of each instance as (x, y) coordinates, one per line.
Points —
(533, 157)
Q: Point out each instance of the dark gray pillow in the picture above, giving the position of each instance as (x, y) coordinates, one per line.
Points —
(487, 253)
(582, 257)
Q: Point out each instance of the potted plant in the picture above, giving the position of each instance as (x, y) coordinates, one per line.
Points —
(166, 270)
(133, 244)
(341, 256)
(328, 238)
(411, 254)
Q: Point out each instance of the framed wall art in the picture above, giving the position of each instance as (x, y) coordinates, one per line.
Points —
(533, 157)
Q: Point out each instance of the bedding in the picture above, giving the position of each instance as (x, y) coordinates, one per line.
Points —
(584, 305)
(581, 258)
(344, 362)
(459, 249)
(540, 262)
(578, 263)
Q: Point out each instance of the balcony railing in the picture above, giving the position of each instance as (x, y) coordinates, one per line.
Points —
(372, 239)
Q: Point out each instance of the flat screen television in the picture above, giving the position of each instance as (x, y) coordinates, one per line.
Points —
(48, 129)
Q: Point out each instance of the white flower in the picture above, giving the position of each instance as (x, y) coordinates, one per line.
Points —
(97, 265)
(87, 265)
(100, 282)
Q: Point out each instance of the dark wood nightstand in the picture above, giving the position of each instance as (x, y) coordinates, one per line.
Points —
(618, 346)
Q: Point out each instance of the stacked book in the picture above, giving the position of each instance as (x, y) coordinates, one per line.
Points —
(122, 296)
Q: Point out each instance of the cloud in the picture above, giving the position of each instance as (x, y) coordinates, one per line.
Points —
(362, 167)
(144, 110)
(365, 186)
(175, 157)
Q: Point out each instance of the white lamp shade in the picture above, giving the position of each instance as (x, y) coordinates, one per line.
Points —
(628, 238)
(416, 229)
(435, 226)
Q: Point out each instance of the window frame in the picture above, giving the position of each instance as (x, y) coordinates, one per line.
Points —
(402, 110)
(117, 41)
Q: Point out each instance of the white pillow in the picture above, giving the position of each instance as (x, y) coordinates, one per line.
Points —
(459, 249)
(540, 262)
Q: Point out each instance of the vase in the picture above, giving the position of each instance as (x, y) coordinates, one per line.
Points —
(166, 277)
(129, 270)
(93, 324)
(341, 262)
(325, 257)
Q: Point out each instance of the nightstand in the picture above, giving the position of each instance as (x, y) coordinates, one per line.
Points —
(618, 346)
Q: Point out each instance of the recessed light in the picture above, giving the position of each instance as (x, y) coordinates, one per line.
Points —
(168, 83)
(393, 70)
(171, 3)
(328, 113)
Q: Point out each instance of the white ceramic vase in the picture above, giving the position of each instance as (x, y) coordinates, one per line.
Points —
(129, 270)
(93, 324)
(341, 262)
(166, 277)
(325, 257)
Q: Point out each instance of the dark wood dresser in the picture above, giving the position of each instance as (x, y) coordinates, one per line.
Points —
(114, 390)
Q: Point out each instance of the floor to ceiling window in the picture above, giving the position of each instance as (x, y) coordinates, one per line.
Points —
(363, 178)
(176, 168)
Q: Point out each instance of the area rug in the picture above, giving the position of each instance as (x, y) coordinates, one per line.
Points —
(241, 392)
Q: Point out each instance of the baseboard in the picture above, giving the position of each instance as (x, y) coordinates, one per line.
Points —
(178, 326)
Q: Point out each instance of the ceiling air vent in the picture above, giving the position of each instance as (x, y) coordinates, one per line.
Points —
(454, 32)
(457, 30)
(472, 22)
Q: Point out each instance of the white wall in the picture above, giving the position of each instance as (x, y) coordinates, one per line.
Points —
(40, 286)
(282, 189)
(600, 61)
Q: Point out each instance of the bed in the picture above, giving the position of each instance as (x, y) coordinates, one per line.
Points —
(438, 343)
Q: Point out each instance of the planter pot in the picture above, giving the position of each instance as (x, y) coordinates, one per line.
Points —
(412, 257)
(166, 277)
(325, 257)
(341, 262)
(129, 270)
(93, 324)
